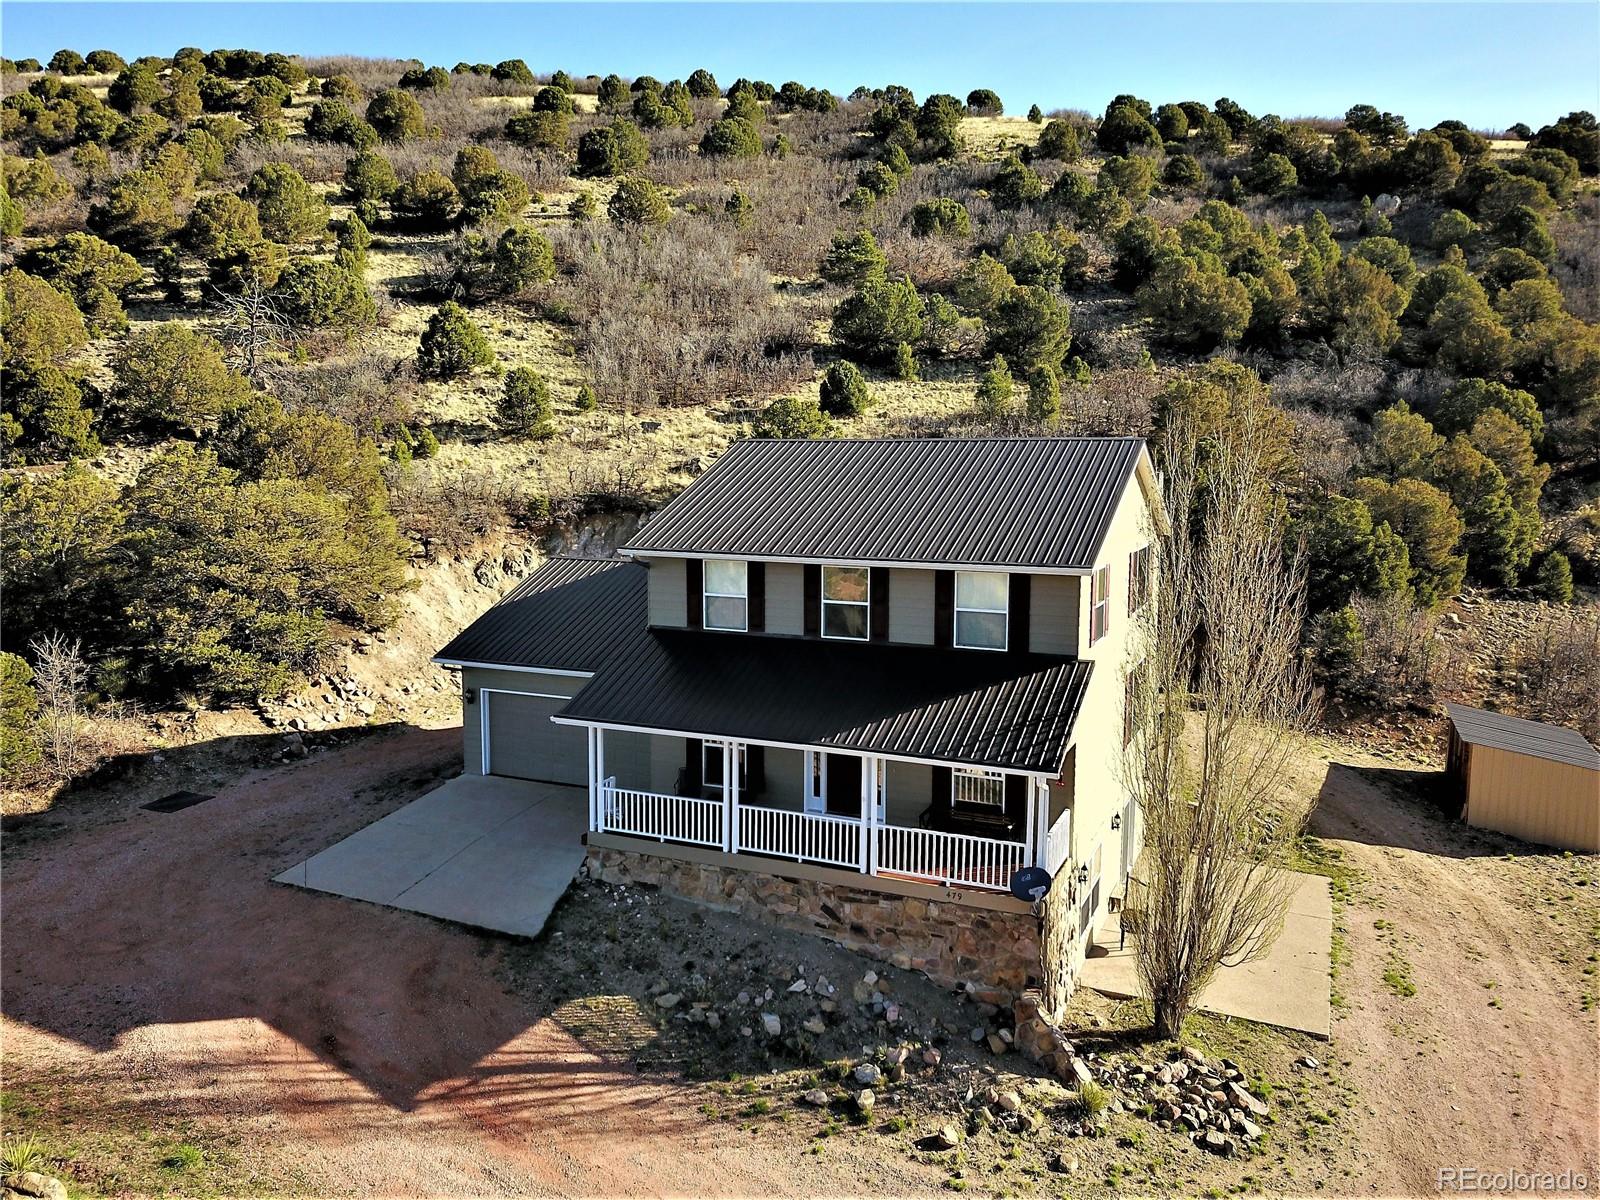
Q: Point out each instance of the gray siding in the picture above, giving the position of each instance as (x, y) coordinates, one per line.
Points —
(666, 760)
(629, 757)
(786, 598)
(909, 790)
(911, 606)
(1053, 614)
(785, 779)
(477, 678)
(668, 604)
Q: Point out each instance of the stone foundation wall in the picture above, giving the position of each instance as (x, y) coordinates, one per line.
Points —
(1040, 1041)
(952, 944)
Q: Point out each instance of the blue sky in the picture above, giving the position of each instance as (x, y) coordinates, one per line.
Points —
(1489, 64)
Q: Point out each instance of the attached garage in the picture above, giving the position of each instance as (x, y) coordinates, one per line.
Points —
(1534, 781)
(507, 728)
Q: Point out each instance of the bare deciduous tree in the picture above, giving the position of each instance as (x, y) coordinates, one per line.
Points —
(59, 676)
(252, 328)
(1225, 699)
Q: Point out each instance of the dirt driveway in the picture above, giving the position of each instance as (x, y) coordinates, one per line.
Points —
(1465, 1029)
(154, 976)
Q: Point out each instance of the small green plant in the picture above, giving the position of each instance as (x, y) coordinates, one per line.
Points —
(1092, 1098)
(23, 1154)
(183, 1157)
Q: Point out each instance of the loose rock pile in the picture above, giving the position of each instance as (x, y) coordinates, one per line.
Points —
(1206, 1099)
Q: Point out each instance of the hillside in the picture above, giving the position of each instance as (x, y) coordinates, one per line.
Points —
(307, 360)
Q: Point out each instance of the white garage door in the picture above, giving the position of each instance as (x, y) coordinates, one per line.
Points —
(522, 741)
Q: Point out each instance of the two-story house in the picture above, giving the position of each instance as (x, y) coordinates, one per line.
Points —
(855, 686)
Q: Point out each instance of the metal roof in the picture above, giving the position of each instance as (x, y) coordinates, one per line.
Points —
(1006, 711)
(1479, 727)
(572, 614)
(1017, 502)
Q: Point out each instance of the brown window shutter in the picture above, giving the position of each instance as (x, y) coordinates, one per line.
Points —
(694, 575)
(813, 599)
(1017, 806)
(944, 608)
(878, 604)
(939, 801)
(1020, 617)
(756, 602)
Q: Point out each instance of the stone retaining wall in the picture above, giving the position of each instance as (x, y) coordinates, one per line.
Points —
(952, 944)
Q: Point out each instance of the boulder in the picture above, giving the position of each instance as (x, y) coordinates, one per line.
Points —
(948, 1137)
(1215, 1143)
(668, 1000)
(816, 1097)
(931, 1056)
(815, 1026)
(34, 1184)
(866, 1100)
(998, 1044)
(868, 1074)
(1009, 1102)
(1243, 1099)
(771, 1023)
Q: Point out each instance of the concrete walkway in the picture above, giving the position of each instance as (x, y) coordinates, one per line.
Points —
(485, 851)
(1288, 988)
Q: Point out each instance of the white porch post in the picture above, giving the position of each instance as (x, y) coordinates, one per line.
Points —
(730, 793)
(1039, 795)
(594, 788)
(869, 811)
(600, 769)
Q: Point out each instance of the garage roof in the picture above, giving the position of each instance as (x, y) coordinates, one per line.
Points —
(1005, 711)
(1041, 502)
(1479, 727)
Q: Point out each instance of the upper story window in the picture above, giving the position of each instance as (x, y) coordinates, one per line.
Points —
(845, 595)
(727, 594)
(983, 789)
(1099, 604)
(982, 601)
(1138, 579)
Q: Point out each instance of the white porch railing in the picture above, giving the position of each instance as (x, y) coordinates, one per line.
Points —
(665, 818)
(1058, 844)
(808, 837)
(949, 858)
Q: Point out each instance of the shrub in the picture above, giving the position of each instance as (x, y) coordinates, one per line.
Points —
(638, 202)
(996, 389)
(938, 124)
(316, 294)
(1273, 175)
(1460, 407)
(1044, 396)
(19, 747)
(1035, 114)
(522, 258)
(173, 375)
(498, 198)
(1015, 184)
(702, 85)
(1347, 552)
(67, 62)
(1194, 302)
(452, 344)
(1124, 128)
(1172, 123)
(582, 207)
(731, 137)
(340, 87)
(879, 179)
(792, 417)
(1183, 171)
(94, 273)
(524, 410)
(844, 391)
(138, 210)
(739, 209)
(512, 70)
(614, 149)
(396, 115)
(1552, 578)
(1058, 140)
(983, 284)
(540, 130)
(290, 210)
(369, 176)
(1031, 328)
(1428, 523)
(39, 323)
(584, 400)
(944, 217)
(1134, 177)
(1453, 228)
(333, 121)
(985, 102)
(136, 86)
(878, 318)
(46, 417)
(427, 201)
(432, 79)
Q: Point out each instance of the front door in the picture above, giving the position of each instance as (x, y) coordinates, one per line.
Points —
(843, 785)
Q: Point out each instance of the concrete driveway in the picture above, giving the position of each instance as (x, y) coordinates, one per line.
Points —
(486, 851)
(1289, 987)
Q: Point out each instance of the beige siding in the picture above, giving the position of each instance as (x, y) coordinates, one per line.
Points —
(476, 678)
(786, 598)
(1053, 614)
(668, 604)
(1551, 803)
(911, 606)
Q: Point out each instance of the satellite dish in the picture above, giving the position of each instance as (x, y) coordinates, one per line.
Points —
(1030, 884)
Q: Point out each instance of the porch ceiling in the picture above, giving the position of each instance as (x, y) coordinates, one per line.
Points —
(1010, 712)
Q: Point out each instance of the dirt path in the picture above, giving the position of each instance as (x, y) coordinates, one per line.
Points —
(334, 1046)
(1461, 1073)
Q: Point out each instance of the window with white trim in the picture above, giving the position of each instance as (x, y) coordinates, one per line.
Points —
(726, 584)
(978, 789)
(1099, 604)
(711, 780)
(982, 609)
(846, 593)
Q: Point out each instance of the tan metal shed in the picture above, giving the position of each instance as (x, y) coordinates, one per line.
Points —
(1534, 781)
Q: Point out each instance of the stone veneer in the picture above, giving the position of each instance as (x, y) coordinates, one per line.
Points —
(1042, 1042)
(952, 944)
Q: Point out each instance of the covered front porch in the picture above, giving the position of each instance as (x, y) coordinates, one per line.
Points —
(961, 826)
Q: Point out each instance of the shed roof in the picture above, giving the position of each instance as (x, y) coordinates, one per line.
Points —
(1042, 502)
(1480, 727)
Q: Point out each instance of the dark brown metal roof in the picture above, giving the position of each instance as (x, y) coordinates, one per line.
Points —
(572, 614)
(1006, 711)
(1017, 502)
(1479, 727)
